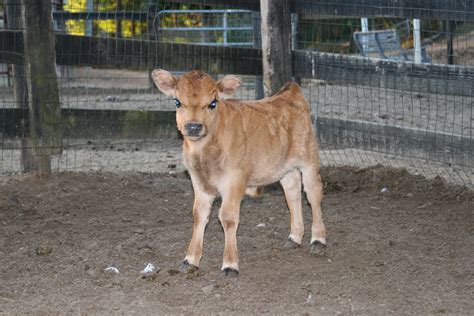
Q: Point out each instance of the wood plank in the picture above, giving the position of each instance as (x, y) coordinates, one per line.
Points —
(219, 4)
(101, 15)
(106, 52)
(11, 47)
(455, 10)
(345, 69)
(406, 142)
(333, 133)
(133, 54)
(94, 124)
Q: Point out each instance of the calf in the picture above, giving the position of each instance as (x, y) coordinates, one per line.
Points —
(233, 147)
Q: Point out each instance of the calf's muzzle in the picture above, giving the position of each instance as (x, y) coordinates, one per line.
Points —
(193, 129)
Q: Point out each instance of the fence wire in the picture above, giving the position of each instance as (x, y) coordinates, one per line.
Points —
(384, 90)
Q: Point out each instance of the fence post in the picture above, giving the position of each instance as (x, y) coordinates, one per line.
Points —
(449, 47)
(417, 40)
(276, 44)
(20, 89)
(257, 43)
(153, 36)
(295, 31)
(43, 92)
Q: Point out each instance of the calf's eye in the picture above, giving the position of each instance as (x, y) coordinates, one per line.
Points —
(213, 104)
(178, 104)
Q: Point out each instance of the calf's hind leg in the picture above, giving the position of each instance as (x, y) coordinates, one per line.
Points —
(314, 192)
(291, 184)
(229, 216)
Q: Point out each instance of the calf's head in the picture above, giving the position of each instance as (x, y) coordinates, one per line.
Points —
(197, 98)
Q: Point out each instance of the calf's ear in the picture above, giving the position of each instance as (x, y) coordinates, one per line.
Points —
(165, 81)
(228, 86)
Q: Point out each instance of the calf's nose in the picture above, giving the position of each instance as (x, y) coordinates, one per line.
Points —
(193, 128)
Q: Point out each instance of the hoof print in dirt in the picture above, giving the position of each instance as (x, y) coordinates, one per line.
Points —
(291, 244)
(173, 272)
(149, 276)
(188, 268)
(229, 272)
(317, 248)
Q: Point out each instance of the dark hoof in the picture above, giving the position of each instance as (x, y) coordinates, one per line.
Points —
(317, 248)
(231, 273)
(291, 244)
(186, 267)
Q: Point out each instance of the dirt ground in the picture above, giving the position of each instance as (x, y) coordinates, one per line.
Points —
(405, 251)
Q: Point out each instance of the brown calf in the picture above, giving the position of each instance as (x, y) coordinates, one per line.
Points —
(232, 147)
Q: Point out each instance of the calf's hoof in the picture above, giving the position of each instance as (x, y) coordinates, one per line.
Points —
(317, 248)
(291, 244)
(186, 267)
(230, 272)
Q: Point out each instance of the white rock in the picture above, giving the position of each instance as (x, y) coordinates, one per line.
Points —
(149, 268)
(112, 270)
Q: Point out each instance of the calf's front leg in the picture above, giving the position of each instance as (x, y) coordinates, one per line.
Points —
(229, 217)
(201, 210)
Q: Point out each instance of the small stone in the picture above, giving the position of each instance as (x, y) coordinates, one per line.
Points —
(43, 250)
(208, 289)
(112, 270)
(410, 194)
(148, 269)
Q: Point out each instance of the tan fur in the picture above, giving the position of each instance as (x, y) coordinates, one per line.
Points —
(244, 145)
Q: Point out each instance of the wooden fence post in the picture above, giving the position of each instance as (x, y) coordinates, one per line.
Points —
(276, 44)
(257, 43)
(450, 25)
(20, 89)
(43, 92)
(152, 30)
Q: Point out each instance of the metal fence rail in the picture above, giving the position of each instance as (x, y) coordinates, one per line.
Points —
(211, 28)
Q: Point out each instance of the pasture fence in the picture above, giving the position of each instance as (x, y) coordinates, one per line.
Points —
(368, 108)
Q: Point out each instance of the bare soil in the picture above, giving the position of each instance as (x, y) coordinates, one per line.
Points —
(405, 251)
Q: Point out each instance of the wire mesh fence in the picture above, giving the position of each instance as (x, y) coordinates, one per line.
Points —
(385, 87)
